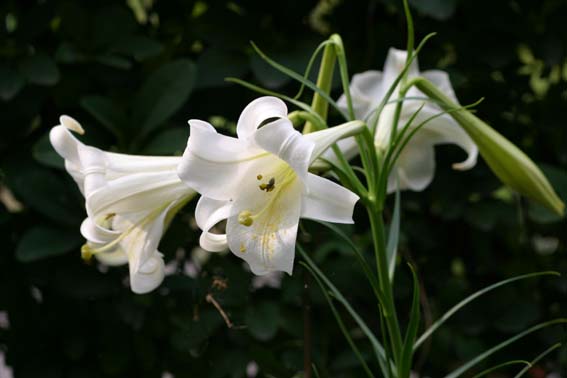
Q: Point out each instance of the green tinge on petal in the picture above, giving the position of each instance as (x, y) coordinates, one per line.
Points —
(513, 167)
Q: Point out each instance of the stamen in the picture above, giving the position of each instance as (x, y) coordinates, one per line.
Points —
(259, 177)
(269, 186)
(245, 218)
(86, 253)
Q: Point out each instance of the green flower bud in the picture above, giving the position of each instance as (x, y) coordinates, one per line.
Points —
(513, 167)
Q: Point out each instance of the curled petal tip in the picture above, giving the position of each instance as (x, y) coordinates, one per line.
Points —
(71, 124)
(464, 165)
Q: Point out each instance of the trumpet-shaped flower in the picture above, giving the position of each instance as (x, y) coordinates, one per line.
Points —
(259, 182)
(130, 201)
(416, 164)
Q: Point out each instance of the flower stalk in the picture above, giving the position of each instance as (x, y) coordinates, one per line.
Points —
(324, 82)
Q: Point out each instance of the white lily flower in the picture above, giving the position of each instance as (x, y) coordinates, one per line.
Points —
(130, 201)
(259, 182)
(416, 165)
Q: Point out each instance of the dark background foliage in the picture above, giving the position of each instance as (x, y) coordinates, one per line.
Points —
(133, 72)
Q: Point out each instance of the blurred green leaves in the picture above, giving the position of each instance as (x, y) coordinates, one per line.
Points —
(42, 242)
(162, 94)
(11, 82)
(263, 320)
(40, 69)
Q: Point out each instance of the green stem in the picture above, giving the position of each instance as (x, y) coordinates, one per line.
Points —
(389, 308)
(324, 82)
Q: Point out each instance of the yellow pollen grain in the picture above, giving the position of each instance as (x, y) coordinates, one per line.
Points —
(259, 177)
(242, 248)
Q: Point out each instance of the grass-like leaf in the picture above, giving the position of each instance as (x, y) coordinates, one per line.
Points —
(294, 75)
(460, 371)
(394, 236)
(340, 322)
(474, 296)
(407, 351)
(370, 276)
(499, 366)
(386, 98)
(378, 349)
(537, 359)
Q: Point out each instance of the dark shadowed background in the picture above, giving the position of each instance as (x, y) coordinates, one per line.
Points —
(133, 72)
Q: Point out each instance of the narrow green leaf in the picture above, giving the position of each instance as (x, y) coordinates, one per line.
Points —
(343, 70)
(340, 322)
(165, 91)
(294, 75)
(255, 88)
(407, 351)
(458, 372)
(410, 28)
(378, 349)
(471, 298)
(370, 276)
(499, 366)
(394, 236)
(375, 114)
(537, 359)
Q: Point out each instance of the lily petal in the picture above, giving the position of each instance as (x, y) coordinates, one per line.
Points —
(216, 165)
(96, 234)
(365, 88)
(323, 139)
(445, 130)
(415, 167)
(258, 183)
(394, 65)
(257, 112)
(129, 199)
(135, 193)
(441, 81)
(145, 262)
(416, 164)
(116, 257)
(282, 140)
(148, 276)
(208, 213)
(327, 201)
(268, 243)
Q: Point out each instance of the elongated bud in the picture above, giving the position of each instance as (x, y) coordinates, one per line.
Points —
(513, 167)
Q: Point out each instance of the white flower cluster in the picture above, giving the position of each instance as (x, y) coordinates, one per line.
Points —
(259, 182)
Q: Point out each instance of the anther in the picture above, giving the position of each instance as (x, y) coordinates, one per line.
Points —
(245, 218)
(86, 253)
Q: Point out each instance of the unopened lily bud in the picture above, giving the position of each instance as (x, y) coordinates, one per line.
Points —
(513, 167)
